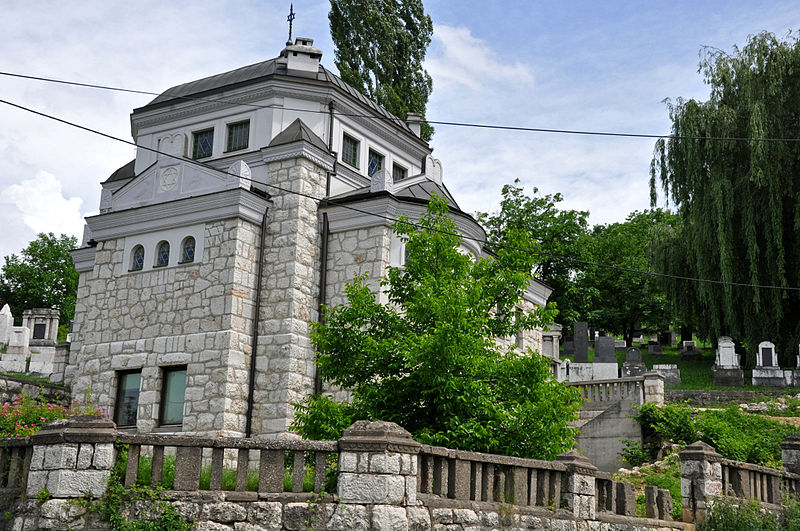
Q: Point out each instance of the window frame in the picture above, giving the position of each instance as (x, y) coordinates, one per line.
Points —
(400, 167)
(183, 259)
(379, 156)
(157, 263)
(165, 371)
(119, 395)
(132, 264)
(195, 143)
(357, 150)
(228, 144)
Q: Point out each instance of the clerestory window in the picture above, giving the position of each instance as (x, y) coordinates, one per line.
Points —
(187, 250)
(162, 254)
(203, 144)
(238, 135)
(375, 163)
(350, 150)
(137, 258)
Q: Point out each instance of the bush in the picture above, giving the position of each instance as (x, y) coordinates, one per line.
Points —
(725, 515)
(735, 435)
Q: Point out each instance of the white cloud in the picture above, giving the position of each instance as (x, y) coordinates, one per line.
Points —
(465, 61)
(41, 205)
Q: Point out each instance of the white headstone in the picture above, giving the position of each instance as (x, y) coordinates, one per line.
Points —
(6, 322)
(726, 353)
(766, 355)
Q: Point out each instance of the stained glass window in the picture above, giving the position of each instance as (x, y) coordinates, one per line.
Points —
(203, 144)
(137, 258)
(127, 398)
(398, 172)
(238, 135)
(187, 250)
(162, 254)
(350, 151)
(173, 393)
(375, 163)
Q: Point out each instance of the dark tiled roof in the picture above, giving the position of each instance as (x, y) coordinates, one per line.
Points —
(255, 73)
(123, 173)
(419, 192)
(297, 131)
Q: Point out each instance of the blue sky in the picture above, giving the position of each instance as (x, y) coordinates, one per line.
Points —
(603, 66)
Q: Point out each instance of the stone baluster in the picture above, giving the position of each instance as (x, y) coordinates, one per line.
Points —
(701, 479)
(578, 489)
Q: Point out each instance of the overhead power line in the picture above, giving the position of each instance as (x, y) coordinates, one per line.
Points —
(500, 127)
(393, 219)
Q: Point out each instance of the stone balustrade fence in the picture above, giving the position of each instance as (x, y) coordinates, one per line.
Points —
(600, 394)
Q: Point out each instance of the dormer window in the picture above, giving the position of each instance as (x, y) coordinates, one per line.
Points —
(137, 258)
(162, 254)
(375, 163)
(203, 144)
(350, 150)
(398, 172)
(238, 135)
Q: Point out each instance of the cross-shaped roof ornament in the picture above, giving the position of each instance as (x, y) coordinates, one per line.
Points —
(290, 18)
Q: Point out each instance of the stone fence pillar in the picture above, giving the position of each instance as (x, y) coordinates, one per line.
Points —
(654, 388)
(378, 467)
(790, 454)
(72, 458)
(701, 480)
(578, 489)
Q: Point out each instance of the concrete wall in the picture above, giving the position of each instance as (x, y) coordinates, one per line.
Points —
(601, 438)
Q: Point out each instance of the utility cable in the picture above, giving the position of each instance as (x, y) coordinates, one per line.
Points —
(396, 220)
(579, 132)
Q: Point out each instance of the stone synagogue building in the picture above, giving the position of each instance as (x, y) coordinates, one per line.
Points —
(216, 247)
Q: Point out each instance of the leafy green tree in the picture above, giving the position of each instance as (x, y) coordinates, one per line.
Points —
(620, 300)
(553, 232)
(739, 200)
(380, 48)
(42, 277)
(429, 359)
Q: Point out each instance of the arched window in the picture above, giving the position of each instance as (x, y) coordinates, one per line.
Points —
(187, 250)
(137, 258)
(162, 254)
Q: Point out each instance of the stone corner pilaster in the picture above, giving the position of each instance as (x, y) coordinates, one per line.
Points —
(578, 491)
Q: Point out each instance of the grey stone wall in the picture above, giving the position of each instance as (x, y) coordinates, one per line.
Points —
(285, 365)
(198, 315)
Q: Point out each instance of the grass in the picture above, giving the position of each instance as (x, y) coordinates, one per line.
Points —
(28, 378)
(229, 476)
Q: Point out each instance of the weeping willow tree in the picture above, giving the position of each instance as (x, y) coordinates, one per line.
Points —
(738, 200)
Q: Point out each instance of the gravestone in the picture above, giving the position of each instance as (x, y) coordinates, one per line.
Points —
(604, 350)
(620, 345)
(727, 369)
(6, 323)
(569, 346)
(581, 339)
(671, 373)
(767, 372)
(654, 349)
(667, 339)
(689, 351)
(633, 365)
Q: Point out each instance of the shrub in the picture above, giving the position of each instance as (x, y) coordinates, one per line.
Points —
(725, 515)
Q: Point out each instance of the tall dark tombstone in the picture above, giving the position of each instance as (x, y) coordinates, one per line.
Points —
(686, 333)
(633, 365)
(581, 341)
(604, 350)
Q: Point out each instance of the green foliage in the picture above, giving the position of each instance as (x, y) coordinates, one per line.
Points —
(42, 277)
(112, 506)
(725, 515)
(429, 360)
(25, 416)
(619, 301)
(380, 50)
(43, 495)
(735, 435)
(633, 453)
(552, 232)
(739, 201)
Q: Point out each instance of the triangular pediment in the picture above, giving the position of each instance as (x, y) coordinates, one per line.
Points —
(168, 181)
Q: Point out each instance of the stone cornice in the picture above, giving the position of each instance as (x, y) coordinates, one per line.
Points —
(299, 149)
(83, 258)
(233, 203)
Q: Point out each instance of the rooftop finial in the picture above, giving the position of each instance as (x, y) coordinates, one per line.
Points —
(290, 18)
